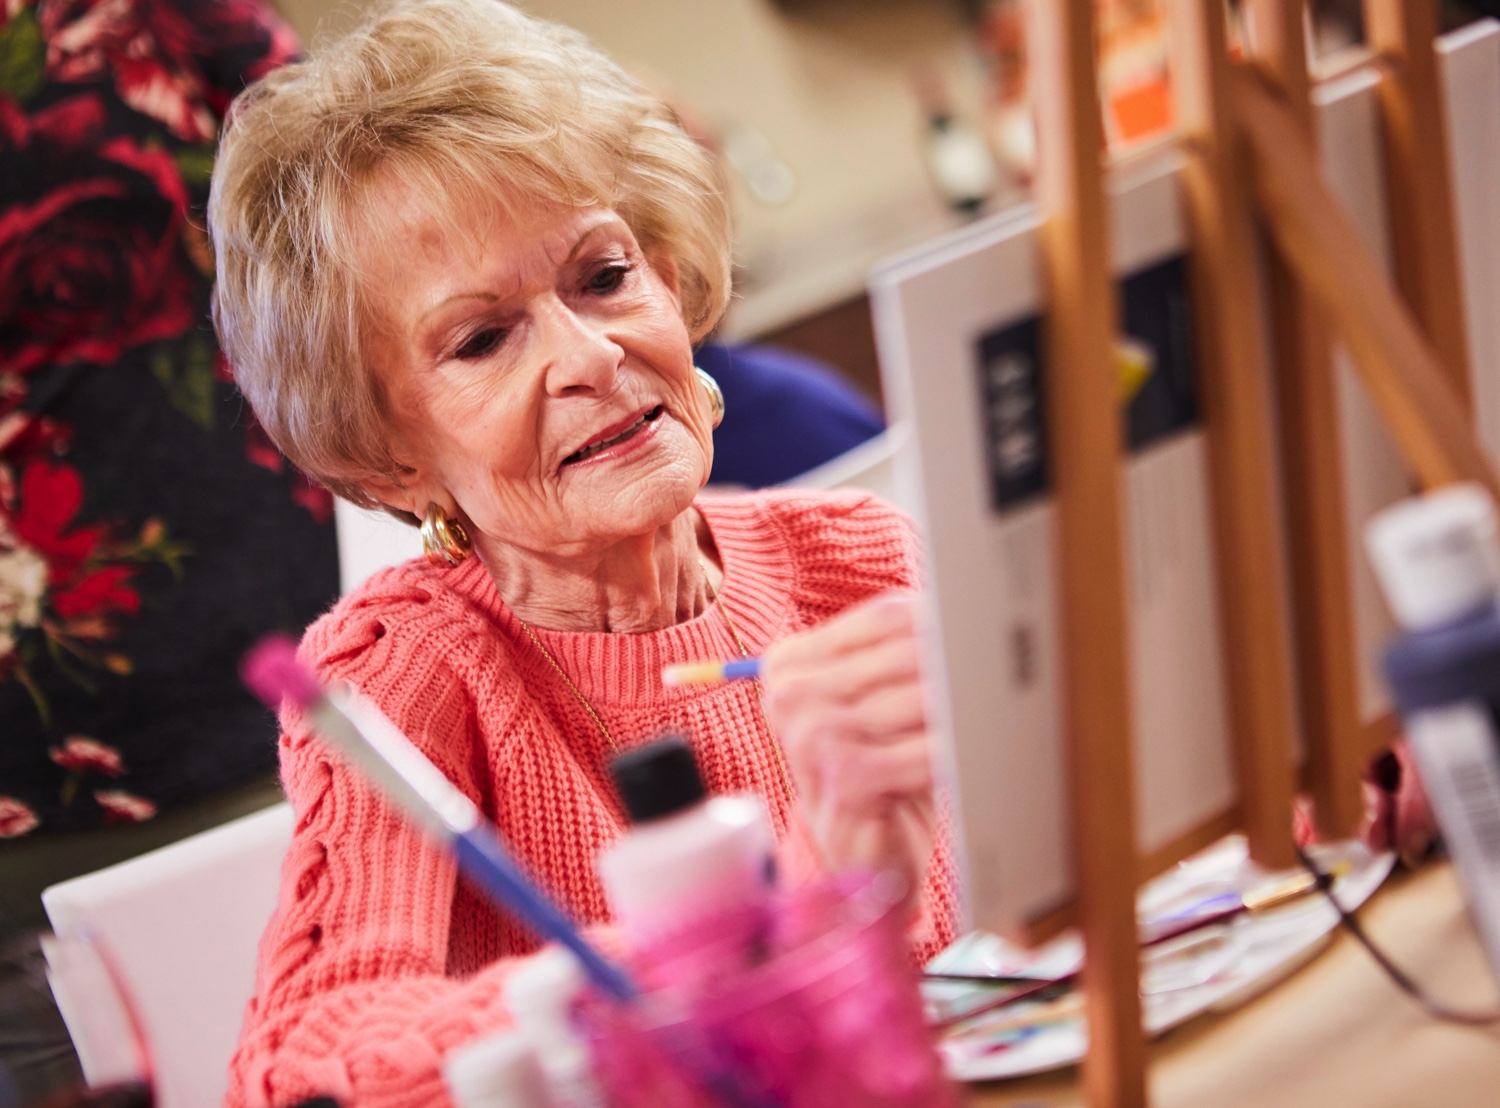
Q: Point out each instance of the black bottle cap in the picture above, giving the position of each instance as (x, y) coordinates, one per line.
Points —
(658, 779)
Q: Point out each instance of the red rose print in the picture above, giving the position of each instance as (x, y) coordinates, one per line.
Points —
(179, 64)
(258, 445)
(282, 47)
(108, 114)
(123, 807)
(50, 497)
(68, 584)
(262, 451)
(314, 497)
(91, 257)
(15, 818)
(7, 501)
(23, 434)
(89, 39)
(80, 755)
(232, 42)
(102, 591)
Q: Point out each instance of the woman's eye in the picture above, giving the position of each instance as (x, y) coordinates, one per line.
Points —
(608, 279)
(480, 343)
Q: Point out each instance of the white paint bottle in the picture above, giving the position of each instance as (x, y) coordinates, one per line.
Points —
(687, 857)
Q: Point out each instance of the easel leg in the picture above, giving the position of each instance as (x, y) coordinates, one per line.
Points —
(1423, 225)
(1312, 471)
(1237, 402)
(1085, 433)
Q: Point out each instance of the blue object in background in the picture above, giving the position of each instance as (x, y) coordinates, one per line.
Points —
(784, 414)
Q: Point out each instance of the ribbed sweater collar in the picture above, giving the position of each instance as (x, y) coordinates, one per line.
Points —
(625, 669)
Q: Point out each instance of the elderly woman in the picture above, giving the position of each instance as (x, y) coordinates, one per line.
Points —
(462, 262)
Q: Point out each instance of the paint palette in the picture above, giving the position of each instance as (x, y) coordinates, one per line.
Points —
(1214, 968)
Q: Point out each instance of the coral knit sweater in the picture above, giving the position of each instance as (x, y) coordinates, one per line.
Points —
(378, 959)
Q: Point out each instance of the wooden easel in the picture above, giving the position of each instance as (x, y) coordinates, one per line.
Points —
(1247, 127)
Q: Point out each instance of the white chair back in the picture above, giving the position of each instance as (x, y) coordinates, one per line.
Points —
(369, 541)
(182, 925)
(871, 465)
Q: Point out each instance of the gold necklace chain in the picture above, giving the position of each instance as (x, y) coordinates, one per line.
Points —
(572, 688)
(713, 597)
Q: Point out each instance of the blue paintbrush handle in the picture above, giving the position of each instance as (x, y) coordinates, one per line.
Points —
(485, 863)
(742, 669)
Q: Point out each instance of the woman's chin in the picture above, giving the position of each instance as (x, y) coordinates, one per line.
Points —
(620, 499)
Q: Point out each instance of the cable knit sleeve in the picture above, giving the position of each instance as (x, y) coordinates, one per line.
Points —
(351, 994)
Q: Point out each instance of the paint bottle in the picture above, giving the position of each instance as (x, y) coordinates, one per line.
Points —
(958, 159)
(687, 857)
(541, 992)
(1438, 560)
(962, 167)
(496, 1071)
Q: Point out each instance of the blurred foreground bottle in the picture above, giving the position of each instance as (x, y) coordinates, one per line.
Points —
(1438, 560)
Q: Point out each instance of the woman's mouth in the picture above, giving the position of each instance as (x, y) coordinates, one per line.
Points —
(615, 438)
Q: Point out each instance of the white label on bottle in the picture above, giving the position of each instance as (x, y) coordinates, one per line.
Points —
(1458, 753)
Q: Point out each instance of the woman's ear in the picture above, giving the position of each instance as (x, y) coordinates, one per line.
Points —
(403, 491)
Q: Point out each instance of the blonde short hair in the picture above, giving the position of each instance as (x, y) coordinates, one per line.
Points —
(467, 101)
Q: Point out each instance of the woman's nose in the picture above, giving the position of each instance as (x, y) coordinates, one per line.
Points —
(579, 354)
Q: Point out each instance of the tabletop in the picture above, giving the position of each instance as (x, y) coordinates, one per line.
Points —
(1336, 1032)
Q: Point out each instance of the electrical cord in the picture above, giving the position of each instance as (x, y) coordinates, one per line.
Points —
(1403, 981)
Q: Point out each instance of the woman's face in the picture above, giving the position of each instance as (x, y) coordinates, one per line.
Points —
(539, 374)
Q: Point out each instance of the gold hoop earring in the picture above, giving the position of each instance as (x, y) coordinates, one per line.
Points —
(444, 540)
(715, 395)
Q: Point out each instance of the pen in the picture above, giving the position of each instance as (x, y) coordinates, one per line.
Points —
(711, 672)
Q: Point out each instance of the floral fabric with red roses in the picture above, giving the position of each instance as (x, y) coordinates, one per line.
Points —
(149, 531)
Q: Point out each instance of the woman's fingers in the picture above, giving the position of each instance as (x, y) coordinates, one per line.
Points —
(846, 678)
(876, 809)
(885, 715)
(860, 670)
(846, 698)
(858, 778)
(863, 777)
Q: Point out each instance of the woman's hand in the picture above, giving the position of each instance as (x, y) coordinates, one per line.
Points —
(846, 699)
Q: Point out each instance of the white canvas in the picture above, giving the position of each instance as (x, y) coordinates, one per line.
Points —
(993, 582)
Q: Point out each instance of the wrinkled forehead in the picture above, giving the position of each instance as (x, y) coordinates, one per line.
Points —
(404, 207)
(416, 241)
(404, 216)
